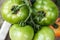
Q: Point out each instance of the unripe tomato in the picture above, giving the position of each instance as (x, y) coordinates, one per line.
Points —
(14, 11)
(45, 34)
(18, 32)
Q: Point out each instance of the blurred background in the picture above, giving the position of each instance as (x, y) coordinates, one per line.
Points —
(1, 21)
(57, 2)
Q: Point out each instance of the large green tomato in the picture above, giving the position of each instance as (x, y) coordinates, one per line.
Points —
(45, 12)
(45, 34)
(18, 32)
(14, 11)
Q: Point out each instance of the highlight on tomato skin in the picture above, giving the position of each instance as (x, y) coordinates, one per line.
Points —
(56, 27)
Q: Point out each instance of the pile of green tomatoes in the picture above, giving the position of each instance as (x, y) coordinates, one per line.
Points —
(30, 19)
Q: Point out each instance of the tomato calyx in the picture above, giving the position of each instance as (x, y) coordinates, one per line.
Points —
(40, 15)
(55, 25)
(16, 8)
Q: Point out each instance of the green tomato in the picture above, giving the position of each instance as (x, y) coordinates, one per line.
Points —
(45, 34)
(45, 12)
(14, 11)
(18, 32)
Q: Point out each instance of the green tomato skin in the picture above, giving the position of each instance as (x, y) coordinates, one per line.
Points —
(8, 15)
(50, 9)
(45, 34)
(21, 33)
